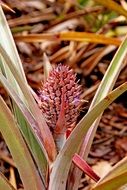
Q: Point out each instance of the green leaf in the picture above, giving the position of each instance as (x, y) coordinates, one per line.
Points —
(44, 130)
(12, 62)
(115, 178)
(8, 44)
(83, 2)
(32, 124)
(105, 87)
(58, 178)
(19, 151)
(4, 183)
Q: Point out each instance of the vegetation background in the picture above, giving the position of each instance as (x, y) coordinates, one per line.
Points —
(93, 30)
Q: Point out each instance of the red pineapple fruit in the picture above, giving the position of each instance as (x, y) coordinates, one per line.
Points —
(60, 101)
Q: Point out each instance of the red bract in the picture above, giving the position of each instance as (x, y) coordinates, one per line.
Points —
(82, 164)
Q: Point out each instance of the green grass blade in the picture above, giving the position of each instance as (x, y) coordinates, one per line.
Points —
(62, 164)
(115, 178)
(4, 183)
(105, 87)
(20, 153)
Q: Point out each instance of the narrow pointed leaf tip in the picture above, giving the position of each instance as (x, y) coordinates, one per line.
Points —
(60, 99)
(82, 164)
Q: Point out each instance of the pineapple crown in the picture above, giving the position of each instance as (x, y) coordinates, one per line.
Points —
(60, 99)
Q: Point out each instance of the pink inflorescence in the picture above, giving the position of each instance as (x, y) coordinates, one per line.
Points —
(60, 85)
